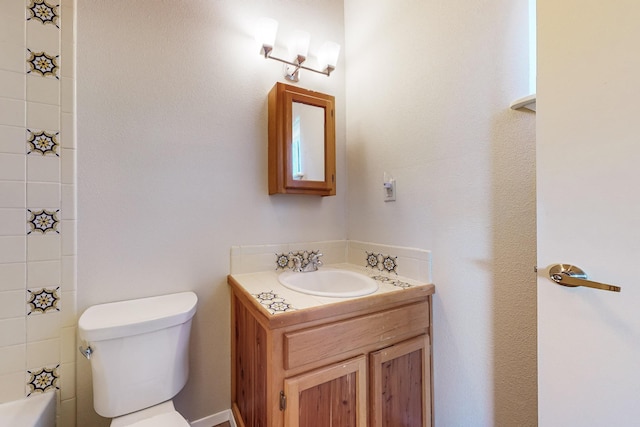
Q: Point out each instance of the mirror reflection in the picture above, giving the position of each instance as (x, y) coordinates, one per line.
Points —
(307, 142)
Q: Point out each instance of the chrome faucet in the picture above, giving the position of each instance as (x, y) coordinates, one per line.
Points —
(312, 265)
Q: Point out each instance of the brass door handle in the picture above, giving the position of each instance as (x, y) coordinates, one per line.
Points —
(572, 276)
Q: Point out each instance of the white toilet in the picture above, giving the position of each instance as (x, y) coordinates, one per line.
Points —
(139, 354)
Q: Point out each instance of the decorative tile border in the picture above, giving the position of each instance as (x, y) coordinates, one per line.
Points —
(42, 380)
(42, 142)
(43, 300)
(393, 282)
(285, 261)
(273, 302)
(382, 262)
(42, 11)
(43, 221)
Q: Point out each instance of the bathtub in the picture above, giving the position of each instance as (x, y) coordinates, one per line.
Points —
(35, 411)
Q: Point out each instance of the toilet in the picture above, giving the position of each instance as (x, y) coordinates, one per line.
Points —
(139, 355)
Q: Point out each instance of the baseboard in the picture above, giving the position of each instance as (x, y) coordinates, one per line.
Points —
(215, 419)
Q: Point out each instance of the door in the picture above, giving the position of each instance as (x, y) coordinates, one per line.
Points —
(400, 385)
(588, 178)
(333, 396)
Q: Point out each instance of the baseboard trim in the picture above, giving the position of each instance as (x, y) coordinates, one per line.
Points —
(215, 419)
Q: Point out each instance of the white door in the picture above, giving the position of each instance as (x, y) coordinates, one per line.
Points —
(588, 168)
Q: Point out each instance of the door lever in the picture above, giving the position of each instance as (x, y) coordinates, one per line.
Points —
(572, 276)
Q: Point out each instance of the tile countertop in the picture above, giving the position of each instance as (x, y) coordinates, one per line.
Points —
(274, 298)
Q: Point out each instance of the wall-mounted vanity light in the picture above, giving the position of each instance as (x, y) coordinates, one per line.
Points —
(266, 30)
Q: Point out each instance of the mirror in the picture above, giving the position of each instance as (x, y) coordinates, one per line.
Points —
(301, 141)
(307, 142)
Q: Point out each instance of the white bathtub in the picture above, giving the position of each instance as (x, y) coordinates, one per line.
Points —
(35, 411)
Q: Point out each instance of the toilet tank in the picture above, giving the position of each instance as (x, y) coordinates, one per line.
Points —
(139, 351)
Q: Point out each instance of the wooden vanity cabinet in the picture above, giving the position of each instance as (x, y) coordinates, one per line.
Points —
(357, 363)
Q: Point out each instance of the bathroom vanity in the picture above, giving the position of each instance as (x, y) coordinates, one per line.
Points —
(363, 361)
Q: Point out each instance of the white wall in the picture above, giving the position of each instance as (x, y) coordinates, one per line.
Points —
(172, 161)
(428, 89)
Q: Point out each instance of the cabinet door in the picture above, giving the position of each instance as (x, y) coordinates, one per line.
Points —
(333, 396)
(400, 385)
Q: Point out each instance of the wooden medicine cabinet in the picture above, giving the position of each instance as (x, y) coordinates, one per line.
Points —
(302, 142)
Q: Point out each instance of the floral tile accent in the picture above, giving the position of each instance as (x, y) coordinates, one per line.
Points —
(43, 221)
(43, 300)
(394, 282)
(43, 142)
(382, 262)
(43, 64)
(284, 261)
(42, 11)
(42, 380)
(273, 302)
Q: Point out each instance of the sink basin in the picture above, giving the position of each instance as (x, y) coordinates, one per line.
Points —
(329, 282)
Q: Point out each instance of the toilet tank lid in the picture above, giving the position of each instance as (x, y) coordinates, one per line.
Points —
(125, 318)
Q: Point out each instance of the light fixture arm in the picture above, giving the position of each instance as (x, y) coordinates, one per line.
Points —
(298, 64)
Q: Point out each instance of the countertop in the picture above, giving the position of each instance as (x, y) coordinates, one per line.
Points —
(275, 300)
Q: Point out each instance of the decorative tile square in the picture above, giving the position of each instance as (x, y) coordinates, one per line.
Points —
(41, 11)
(42, 142)
(42, 63)
(43, 221)
(273, 302)
(42, 380)
(43, 300)
(382, 262)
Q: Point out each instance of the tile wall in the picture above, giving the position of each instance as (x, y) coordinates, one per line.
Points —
(37, 202)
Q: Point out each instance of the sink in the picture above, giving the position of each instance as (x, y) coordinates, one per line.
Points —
(329, 282)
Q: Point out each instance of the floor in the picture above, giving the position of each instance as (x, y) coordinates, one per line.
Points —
(224, 424)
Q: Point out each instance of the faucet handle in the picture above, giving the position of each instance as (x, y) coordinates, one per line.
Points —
(315, 258)
(297, 262)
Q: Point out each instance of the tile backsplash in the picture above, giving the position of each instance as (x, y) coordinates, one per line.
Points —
(385, 261)
(37, 201)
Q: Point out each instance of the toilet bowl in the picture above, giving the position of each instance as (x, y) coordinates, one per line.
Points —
(138, 350)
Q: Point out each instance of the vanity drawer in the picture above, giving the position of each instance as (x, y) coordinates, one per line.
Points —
(314, 344)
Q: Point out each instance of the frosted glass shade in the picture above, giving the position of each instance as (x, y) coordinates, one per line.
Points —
(266, 30)
(299, 45)
(328, 56)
